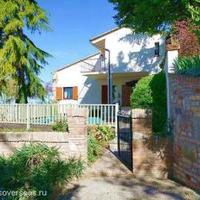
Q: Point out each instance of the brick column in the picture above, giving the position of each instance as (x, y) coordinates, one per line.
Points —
(77, 121)
(142, 121)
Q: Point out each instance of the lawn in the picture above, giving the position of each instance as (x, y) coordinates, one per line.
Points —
(56, 127)
(22, 128)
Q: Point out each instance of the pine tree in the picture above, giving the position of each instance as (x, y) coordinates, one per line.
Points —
(20, 59)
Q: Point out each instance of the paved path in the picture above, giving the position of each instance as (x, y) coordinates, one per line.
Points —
(109, 179)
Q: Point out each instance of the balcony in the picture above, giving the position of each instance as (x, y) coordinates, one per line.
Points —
(94, 65)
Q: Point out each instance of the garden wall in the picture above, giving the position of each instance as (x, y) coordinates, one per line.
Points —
(71, 144)
(185, 118)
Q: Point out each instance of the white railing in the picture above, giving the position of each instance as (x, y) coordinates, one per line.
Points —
(48, 114)
(98, 65)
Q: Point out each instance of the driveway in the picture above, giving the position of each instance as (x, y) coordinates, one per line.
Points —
(109, 179)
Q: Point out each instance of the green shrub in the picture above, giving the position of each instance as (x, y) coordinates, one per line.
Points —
(95, 148)
(142, 95)
(150, 93)
(61, 126)
(98, 140)
(188, 65)
(36, 168)
(159, 104)
(106, 133)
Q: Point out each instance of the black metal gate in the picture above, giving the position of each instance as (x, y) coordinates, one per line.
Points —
(125, 137)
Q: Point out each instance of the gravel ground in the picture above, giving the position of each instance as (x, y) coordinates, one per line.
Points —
(110, 188)
(109, 179)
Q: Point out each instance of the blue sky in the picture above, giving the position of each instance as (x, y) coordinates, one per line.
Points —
(73, 22)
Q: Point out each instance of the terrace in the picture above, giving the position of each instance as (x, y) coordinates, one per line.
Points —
(96, 65)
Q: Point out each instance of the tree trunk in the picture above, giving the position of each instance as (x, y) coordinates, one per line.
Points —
(22, 93)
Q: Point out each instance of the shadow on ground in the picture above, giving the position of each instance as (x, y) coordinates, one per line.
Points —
(112, 188)
(109, 179)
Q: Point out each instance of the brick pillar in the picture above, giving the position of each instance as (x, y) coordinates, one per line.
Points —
(152, 156)
(77, 121)
(142, 121)
(77, 125)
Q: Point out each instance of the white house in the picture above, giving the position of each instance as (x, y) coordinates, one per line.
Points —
(132, 56)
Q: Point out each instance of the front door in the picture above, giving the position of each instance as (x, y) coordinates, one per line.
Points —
(126, 95)
(104, 94)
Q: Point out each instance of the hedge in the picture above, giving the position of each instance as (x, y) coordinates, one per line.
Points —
(150, 93)
(188, 65)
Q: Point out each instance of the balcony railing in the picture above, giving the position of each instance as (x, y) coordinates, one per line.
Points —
(96, 65)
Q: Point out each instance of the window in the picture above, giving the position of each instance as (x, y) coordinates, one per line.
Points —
(68, 93)
(157, 49)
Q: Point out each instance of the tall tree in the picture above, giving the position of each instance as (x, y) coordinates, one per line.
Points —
(187, 39)
(20, 59)
(8, 91)
(155, 16)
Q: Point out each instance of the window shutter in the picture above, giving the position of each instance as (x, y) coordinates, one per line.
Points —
(59, 93)
(75, 93)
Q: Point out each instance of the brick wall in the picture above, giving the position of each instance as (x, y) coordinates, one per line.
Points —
(153, 157)
(72, 144)
(185, 117)
(142, 121)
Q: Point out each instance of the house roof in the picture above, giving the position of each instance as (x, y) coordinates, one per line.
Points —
(78, 61)
(91, 40)
(104, 34)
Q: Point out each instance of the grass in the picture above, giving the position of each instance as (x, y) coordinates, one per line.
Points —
(24, 130)
(20, 128)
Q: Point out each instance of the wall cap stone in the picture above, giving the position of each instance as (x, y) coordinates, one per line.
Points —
(141, 113)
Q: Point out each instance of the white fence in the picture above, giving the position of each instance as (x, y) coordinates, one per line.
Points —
(48, 114)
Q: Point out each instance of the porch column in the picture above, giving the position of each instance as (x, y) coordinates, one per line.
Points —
(171, 57)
